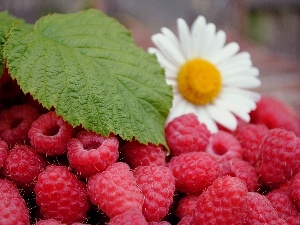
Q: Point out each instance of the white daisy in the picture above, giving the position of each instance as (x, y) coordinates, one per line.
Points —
(209, 77)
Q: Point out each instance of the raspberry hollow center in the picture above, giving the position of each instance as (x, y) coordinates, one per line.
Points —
(199, 81)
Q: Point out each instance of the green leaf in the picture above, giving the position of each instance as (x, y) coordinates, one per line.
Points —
(87, 66)
(7, 22)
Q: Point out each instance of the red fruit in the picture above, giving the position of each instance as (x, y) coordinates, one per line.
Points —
(280, 157)
(222, 203)
(250, 137)
(23, 165)
(274, 113)
(129, 217)
(49, 134)
(186, 206)
(186, 134)
(194, 171)
(224, 146)
(242, 170)
(138, 154)
(115, 190)
(48, 222)
(159, 223)
(61, 196)
(294, 189)
(186, 220)
(13, 209)
(157, 184)
(259, 210)
(3, 152)
(15, 124)
(90, 153)
(284, 205)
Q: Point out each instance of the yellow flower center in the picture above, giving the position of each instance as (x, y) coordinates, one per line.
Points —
(199, 81)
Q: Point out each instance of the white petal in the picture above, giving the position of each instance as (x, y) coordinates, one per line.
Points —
(164, 62)
(208, 39)
(246, 93)
(242, 81)
(196, 33)
(172, 37)
(239, 99)
(241, 71)
(237, 60)
(178, 109)
(184, 37)
(228, 50)
(204, 117)
(239, 110)
(171, 74)
(218, 42)
(168, 49)
(222, 116)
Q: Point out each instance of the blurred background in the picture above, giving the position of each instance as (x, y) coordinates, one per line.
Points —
(268, 29)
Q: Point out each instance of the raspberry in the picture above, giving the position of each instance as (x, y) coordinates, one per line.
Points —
(284, 205)
(222, 203)
(23, 165)
(194, 171)
(13, 209)
(115, 190)
(295, 189)
(49, 134)
(157, 184)
(138, 154)
(55, 222)
(159, 223)
(186, 220)
(186, 206)
(3, 152)
(129, 217)
(250, 137)
(61, 196)
(274, 113)
(224, 146)
(15, 124)
(185, 134)
(259, 210)
(90, 153)
(242, 170)
(280, 157)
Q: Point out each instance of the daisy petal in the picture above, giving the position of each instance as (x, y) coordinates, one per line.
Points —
(246, 93)
(171, 36)
(205, 118)
(218, 42)
(239, 99)
(196, 33)
(228, 50)
(208, 40)
(184, 37)
(164, 62)
(241, 71)
(242, 81)
(168, 49)
(222, 116)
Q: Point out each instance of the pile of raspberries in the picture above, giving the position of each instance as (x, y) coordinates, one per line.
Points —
(56, 174)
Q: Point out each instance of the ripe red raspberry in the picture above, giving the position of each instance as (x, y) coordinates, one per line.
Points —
(224, 146)
(284, 205)
(250, 137)
(23, 165)
(159, 223)
(259, 210)
(129, 217)
(186, 206)
(157, 184)
(242, 170)
(138, 154)
(186, 220)
(13, 209)
(274, 113)
(280, 157)
(90, 153)
(61, 196)
(55, 222)
(222, 203)
(186, 134)
(3, 153)
(49, 134)
(294, 189)
(194, 171)
(115, 190)
(15, 123)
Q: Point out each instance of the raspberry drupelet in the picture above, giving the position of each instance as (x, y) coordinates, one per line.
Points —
(15, 123)
(90, 153)
(49, 134)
